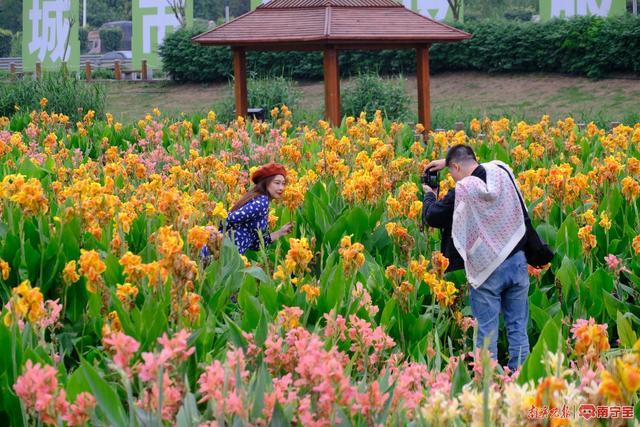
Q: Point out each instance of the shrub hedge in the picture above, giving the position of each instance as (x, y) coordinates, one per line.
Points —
(589, 46)
(65, 95)
(370, 93)
(5, 42)
(111, 39)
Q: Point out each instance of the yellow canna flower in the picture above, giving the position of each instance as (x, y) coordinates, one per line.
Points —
(311, 292)
(289, 317)
(630, 188)
(197, 237)
(5, 269)
(588, 240)
(69, 273)
(629, 374)
(352, 255)
(91, 266)
(126, 293)
(609, 388)
(605, 222)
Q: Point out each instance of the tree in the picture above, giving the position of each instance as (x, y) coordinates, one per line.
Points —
(179, 10)
(101, 11)
(211, 10)
(455, 6)
(11, 13)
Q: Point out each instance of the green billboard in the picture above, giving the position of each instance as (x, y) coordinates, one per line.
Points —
(569, 8)
(50, 34)
(152, 21)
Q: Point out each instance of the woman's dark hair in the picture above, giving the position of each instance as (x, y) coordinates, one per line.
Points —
(260, 189)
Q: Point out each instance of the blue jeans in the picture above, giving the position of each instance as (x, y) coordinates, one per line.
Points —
(507, 291)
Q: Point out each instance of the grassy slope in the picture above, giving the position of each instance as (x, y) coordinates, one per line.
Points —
(455, 96)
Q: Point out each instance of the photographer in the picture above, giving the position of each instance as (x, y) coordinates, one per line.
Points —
(483, 231)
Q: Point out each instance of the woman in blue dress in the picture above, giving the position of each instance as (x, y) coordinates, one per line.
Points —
(250, 214)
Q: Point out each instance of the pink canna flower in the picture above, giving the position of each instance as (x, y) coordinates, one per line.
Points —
(368, 342)
(252, 349)
(80, 412)
(53, 309)
(615, 264)
(172, 395)
(233, 404)
(336, 325)
(371, 401)
(37, 387)
(477, 366)
(211, 382)
(410, 388)
(150, 366)
(236, 363)
(123, 347)
(612, 262)
(274, 355)
(175, 348)
(307, 417)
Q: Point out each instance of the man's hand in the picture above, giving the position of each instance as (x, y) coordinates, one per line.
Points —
(426, 189)
(435, 165)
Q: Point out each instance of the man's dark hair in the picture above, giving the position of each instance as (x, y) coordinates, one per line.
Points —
(460, 154)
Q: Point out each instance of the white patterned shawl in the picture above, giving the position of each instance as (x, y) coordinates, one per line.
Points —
(488, 221)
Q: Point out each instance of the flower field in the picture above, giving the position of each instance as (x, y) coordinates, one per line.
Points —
(109, 317)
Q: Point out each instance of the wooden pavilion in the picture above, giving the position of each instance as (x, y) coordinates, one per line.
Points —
(331, 26)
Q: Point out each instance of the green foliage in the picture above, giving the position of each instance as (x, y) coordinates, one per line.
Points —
(590, 46)
(97, 73)
(371, 92)
(263, 92)
(214, 9)
(111, 39)
(519, 14)
(65, 95)
(5, 42)
(16, 45)
(84, 40)
(101, 11)
(495, 9)
(11, 13)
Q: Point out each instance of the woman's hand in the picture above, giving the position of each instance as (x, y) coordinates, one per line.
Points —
(286, 229)
(435, 165)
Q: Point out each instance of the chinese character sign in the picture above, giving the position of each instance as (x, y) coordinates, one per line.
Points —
(50, 34)
(152, 21)
(569, 8)
(434, 9)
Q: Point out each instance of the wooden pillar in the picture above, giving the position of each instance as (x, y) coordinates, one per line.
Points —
(331, 86)
(143, 70)
(240, 81)
(87, 71)
(38, 71)
(422, 74)
(12, 70)
(117, 72)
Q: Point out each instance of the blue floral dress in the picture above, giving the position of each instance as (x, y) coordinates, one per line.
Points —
(243, 225)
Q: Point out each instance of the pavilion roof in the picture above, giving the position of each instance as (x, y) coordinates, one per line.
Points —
(314, 23)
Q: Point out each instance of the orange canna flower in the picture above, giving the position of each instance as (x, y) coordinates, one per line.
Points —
(91, 266)
(609, 388)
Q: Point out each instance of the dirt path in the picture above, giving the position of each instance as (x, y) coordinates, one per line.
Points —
(525, 95)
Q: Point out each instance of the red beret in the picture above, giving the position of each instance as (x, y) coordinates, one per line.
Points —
(268, 170)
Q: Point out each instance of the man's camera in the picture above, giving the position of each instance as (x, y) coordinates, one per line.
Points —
(430, 178)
